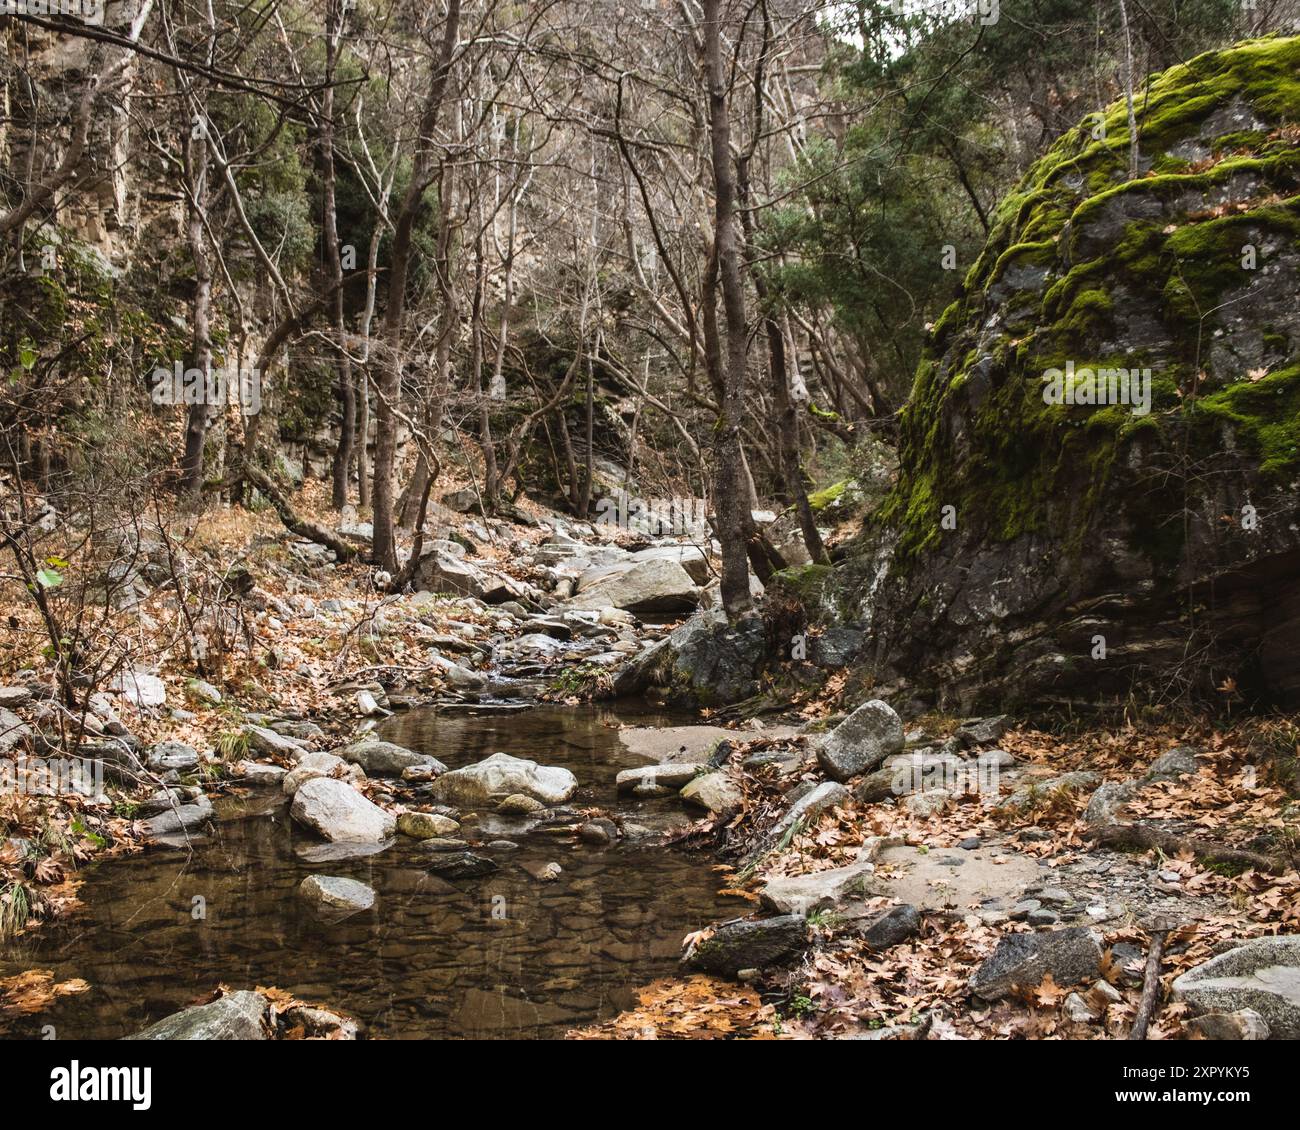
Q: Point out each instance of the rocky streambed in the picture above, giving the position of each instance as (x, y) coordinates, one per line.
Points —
(555, 931)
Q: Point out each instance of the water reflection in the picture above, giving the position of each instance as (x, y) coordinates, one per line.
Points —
(503, 956)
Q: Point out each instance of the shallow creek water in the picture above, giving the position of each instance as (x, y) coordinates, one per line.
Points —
(501, 956)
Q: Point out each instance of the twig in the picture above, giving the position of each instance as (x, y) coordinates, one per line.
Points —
(1150, 986)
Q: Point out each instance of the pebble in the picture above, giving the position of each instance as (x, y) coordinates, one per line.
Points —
(1054, 895)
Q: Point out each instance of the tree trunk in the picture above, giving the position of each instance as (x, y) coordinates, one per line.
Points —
(388, 385)
(199, 414)
(334, 262)
(730, 491)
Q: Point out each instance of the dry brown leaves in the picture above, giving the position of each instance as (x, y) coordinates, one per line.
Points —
(696, 1008)
(33, 991)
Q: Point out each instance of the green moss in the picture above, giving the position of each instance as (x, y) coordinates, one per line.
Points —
(1264, 416)
(1019, 465)
(806, 582)
(832, 496)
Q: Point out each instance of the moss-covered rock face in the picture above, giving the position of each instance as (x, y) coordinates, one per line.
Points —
(1101, 455)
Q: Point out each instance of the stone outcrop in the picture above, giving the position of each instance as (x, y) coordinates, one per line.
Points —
(1048, 533)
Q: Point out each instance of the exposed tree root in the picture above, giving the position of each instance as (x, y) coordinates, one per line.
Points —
(1123, 837)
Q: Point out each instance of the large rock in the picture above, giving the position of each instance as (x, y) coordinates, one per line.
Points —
(12, 730)
(139, 688)
(182, 818)
(1262, 974)
(426, 825)
(707, 661)
(236, 1016)
(267, 741)
(333, 892)
(820, 890)
(339, 813)
(715, 792)
(388, 760)
(1026, 530)
(656, 585)
(689, 557)
(173, 755)
(318, 764)
(862, 741)
(750, 944)
(440, 572)
(891, 927)
(1022, 961)
(500, 776)
(656, 780)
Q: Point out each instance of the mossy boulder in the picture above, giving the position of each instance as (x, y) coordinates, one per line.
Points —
(1100, 459)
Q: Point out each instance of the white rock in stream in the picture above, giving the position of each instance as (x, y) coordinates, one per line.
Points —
(337, 893)
(236, 1016)
(500, 776)
(340, 813)
(315, 765)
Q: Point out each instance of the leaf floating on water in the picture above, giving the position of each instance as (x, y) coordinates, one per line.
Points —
(34, 990)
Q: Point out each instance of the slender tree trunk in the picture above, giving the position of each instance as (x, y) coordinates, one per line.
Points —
(788, 435)
(730, 489)
(1128, 93)
(388, 385)
(334, 262)
(199, 414)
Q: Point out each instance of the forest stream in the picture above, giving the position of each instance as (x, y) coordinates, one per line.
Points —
(502, 956)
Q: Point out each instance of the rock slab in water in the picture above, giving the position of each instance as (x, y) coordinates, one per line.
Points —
(862, 741)
(1262, 974)
(1070, 956)
(750, 944)
(460, 865)
(715, 792)
(337, 893)
(388, 759)
(657, 780)
(183, 818)
(426, 825)
(236, 1016)
(339, 813)
(501, 776)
